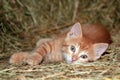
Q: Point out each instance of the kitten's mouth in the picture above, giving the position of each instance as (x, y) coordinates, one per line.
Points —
(74, 59)
(77, 59)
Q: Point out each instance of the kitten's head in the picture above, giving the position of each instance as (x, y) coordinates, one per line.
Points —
(78, 48)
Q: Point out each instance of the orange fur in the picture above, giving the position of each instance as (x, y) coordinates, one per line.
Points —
(57, 50)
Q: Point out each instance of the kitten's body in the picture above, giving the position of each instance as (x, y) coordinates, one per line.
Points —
(57, 50)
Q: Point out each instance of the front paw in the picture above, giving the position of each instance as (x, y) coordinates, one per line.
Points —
(18, 58)
(34, 59)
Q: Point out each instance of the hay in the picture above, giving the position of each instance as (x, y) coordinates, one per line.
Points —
(23, 22)
(20, 20)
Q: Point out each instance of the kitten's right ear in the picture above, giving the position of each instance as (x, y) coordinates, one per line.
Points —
(99, 49)
(76, 31)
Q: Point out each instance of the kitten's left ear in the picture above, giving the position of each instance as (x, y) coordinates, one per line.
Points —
(75, 31)
(99, 49)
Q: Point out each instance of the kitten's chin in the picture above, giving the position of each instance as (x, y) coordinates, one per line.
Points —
(79, 62)
(76, 62)
(67, 57)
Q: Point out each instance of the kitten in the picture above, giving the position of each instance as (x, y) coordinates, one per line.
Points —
(80, 44)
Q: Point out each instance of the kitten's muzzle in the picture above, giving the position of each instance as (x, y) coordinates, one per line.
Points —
(74, 58)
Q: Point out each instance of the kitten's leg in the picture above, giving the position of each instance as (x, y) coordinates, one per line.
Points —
(25, 58)
(18, 58)
(34, 59)
(44, 49)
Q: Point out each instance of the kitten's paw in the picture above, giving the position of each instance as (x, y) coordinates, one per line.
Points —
(18, 58)
(34, 59)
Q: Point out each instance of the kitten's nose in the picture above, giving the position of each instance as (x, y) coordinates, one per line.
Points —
(90, 60)
(74, 58)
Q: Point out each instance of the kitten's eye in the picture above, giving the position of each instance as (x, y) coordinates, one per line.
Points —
(72, 48)
(84, 56)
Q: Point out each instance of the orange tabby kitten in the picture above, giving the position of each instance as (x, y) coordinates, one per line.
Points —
(80, 44)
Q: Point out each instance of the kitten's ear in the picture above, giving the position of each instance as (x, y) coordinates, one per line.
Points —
(99, 49)
(75, 31)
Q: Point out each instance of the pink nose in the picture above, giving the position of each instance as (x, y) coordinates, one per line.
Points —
(74, 59)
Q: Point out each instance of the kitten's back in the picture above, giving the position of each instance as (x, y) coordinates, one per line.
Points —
(96, 33)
